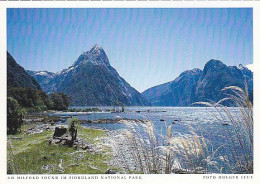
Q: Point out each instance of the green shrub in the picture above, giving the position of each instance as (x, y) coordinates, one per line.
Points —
(73, 128)
(14, 116)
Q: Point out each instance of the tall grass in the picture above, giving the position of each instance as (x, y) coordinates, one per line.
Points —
(11, 166)
(136, 152)
(140, 149)
(239, 128)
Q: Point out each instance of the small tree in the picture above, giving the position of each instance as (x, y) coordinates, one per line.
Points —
(14, 116)
(73, 128)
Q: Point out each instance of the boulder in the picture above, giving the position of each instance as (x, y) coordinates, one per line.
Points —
(59, 131)
(110, 171)
(63, 137)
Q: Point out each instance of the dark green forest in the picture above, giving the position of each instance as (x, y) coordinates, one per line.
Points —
(24, 95)
(33, 100)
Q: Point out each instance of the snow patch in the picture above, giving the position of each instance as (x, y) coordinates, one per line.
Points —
(41, 73)
(250, 67)
(65, 72)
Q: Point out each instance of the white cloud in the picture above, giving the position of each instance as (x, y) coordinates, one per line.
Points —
(250, 67)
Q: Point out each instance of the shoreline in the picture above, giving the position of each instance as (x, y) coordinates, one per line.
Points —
(29, 151)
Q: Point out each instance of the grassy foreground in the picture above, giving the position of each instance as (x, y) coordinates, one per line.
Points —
(32, 154)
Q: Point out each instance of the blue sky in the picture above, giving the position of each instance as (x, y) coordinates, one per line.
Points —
(146, 46)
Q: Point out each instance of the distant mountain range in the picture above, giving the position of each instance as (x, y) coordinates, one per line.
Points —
(200, 85)
(91, 81)
(175, 93)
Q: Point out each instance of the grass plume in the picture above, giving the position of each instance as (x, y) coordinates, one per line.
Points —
(239, 128)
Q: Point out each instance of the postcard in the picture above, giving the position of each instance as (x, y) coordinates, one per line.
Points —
(134, 92)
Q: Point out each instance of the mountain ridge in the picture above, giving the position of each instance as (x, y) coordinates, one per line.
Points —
(200, 85)
(17, 75)
(91, 80)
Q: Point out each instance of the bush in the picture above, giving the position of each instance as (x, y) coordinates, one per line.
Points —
(14, 116)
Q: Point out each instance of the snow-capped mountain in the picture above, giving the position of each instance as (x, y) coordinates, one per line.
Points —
(41, 76)
(91, 80)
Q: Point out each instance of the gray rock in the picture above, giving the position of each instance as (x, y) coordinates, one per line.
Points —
(110, 171)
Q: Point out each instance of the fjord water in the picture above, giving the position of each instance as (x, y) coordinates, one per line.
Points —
(182, 120)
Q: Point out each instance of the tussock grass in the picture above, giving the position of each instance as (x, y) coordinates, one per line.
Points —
(239, 129)
(140, 150)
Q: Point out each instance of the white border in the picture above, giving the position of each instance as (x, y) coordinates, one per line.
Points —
(157, 179)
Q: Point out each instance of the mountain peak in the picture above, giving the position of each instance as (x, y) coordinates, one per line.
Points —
(214, 62)
(242, 67)
(92, 81)
(96, 50)
(95, 55)
(213, 65)
(96, 47)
